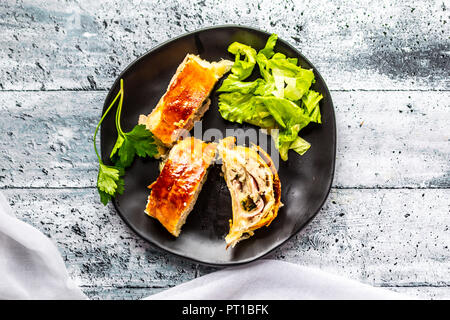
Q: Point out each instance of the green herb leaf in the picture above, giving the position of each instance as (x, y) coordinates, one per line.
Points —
(143, 141)
(119, 142)
(138, 141)
(109, 182)
(104, 197)
(126, 154)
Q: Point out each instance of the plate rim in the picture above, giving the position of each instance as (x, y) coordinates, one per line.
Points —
(295, 231)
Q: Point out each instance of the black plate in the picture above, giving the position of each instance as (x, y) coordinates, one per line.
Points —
(305, 180)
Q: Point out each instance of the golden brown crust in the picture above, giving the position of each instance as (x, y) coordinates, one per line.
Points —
(184, 100)
(176, 189)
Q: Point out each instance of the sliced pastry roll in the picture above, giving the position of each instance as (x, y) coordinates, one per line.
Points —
(186, 99)
(254, 186)
(175, 192)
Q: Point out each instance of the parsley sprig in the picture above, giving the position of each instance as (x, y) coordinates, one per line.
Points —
(138, 141)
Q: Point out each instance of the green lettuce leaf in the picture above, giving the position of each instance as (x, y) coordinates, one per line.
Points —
(230, 85)
(290, 118)
(300, 145)
(265, 88)
(242, 68)
(263, 62)
(239, 107)
(300, 85)
(286, 140)
(311, 104)
(292, 82)
(285, 112)
(280, 101)
(283, 140)
(270, 45)
(293, 60)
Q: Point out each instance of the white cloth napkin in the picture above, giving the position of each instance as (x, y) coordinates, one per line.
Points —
(277, 280)
(30, 265)
(32, 268)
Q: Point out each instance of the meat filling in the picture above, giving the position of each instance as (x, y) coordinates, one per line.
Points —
(251, 184)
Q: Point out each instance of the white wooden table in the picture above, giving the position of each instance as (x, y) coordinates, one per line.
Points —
(387, 219)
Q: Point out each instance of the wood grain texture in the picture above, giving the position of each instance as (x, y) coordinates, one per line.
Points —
(49, 45)
(388, 238)
(96, 293)
(385, 139)
(98, 248)
(387, 219)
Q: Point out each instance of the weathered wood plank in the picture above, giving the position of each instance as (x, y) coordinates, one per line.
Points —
(112, 293)
(388, 139)
(46, 138)
(398, 239)
(84, 44)
(98, 248)
(381, 237)
(391, 238)
(385, 139)
(434, 293)
(386, 238)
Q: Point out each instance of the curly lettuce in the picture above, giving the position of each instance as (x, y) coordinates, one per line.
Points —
(280, 99)
(242, 67)
(240, 107)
